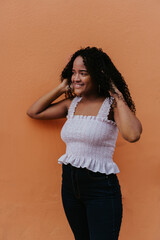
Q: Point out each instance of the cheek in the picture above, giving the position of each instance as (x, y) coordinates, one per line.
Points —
(90, 84)
(72, 78)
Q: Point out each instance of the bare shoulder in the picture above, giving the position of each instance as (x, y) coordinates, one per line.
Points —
(68, 102)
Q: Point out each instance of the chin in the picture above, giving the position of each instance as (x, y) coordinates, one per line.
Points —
(78, 93)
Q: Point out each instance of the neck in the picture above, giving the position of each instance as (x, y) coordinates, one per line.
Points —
(90, 97)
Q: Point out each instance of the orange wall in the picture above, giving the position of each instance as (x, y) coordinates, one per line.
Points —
(36, 39)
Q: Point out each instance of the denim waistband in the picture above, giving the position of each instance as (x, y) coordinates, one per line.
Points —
(80, 169)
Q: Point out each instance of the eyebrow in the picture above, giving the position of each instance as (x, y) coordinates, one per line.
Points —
(81, 70)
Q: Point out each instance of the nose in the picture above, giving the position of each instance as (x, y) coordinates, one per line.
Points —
(76, 77)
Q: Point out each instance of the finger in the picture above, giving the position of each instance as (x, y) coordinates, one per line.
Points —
(111, 94)
(68, 87)
(71, 85)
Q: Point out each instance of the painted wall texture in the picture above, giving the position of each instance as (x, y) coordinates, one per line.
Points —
(36, 39)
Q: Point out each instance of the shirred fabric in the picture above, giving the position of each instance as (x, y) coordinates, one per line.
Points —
(90, 140)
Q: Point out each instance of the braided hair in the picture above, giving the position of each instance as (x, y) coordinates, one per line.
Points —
(102, 71)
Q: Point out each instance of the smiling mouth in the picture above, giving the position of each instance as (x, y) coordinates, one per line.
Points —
(76, 85)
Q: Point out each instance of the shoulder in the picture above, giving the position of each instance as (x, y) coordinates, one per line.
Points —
(68, 101)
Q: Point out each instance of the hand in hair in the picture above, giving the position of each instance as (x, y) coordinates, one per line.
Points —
(114, 92)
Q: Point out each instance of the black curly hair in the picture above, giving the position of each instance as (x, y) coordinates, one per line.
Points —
(102, 71)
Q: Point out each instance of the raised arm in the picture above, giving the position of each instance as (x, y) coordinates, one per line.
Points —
(128, 124)
(44, 109)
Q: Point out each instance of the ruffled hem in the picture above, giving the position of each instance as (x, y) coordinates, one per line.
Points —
(107, 167)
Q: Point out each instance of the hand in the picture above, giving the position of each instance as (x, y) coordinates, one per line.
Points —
(65, 86)
(115, 92)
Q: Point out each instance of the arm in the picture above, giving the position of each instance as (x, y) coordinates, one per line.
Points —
(43, 109)
(128, 124)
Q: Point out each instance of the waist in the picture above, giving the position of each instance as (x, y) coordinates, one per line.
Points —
(79, 170)
(90, 151)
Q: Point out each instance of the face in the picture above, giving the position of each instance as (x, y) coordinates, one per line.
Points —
(81, 80)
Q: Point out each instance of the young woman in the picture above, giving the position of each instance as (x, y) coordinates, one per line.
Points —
(97, 105)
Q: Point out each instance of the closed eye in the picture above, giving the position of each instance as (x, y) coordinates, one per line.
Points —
(82, 73)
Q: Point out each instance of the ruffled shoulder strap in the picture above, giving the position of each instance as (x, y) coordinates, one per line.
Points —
(72, 106)
(105, 108)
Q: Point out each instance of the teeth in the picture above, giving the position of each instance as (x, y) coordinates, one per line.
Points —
(78, 85)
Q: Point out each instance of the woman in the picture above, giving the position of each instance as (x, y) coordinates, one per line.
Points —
(97, 104)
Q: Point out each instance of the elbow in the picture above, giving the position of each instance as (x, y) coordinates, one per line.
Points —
(133, 137)
(30, 114)
(133, 133)
(34, 115)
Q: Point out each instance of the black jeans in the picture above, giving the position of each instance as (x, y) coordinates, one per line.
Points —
(92, 203)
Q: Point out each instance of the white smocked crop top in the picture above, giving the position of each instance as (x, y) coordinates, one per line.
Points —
(90, 140)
